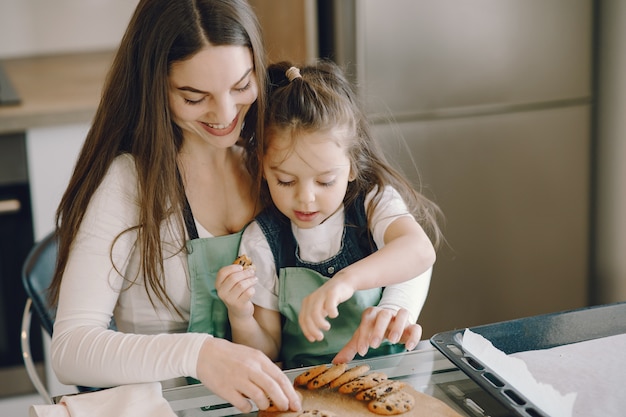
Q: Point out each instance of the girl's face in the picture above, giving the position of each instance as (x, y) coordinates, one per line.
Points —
(210, 94)
(307, 178)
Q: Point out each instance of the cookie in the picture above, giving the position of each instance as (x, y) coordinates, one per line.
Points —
(244, 261)
(362, 383)
(305, 377)
(391, 404)
(273, 408)
(349, 375)
(327, 376)
(385, 387)
(317, 413)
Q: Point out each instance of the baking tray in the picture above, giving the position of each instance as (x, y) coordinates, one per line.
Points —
(531, 333)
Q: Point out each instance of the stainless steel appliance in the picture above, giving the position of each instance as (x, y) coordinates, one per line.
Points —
(492, 102)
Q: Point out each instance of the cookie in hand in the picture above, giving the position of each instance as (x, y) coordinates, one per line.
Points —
(244, 261)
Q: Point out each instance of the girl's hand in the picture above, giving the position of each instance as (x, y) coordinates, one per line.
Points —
(235, 287)
(378, 324)
(323, 303)
(238, 373)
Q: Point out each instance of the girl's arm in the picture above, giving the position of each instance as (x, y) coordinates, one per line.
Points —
(405, 252)
(251, 325)
(257, 321)
(394, 319)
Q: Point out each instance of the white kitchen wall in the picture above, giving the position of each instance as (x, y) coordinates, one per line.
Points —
(43, 27)
(52, 153)
(609, 273)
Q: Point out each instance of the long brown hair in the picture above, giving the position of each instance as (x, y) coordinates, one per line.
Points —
(134, 117)
(323, 98)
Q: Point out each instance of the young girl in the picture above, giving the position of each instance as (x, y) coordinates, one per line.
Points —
(336, 231)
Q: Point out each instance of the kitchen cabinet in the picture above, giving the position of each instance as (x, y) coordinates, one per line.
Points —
(59, 95)
(289, 29)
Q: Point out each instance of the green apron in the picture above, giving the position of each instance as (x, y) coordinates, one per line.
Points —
(296, 351)
(208, 313)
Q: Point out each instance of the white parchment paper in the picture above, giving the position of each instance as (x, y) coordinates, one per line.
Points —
(595, 370)
(581, 379)
(516, 373)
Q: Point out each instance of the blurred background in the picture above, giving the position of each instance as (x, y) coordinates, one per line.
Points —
(507, 113)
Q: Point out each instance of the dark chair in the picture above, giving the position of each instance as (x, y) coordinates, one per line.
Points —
(37, 275)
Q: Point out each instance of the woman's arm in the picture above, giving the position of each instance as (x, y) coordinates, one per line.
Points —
(409, 295)
(84, 350)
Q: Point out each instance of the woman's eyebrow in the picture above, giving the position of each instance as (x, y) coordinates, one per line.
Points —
(195, 90)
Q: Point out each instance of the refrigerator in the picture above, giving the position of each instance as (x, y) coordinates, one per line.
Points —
(487, 107)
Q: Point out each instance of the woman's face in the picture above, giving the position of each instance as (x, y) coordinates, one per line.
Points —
(210, 94)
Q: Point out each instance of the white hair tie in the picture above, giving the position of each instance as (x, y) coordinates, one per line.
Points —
(293, 73)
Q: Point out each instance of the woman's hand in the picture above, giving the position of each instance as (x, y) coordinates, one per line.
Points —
(378, 324)
(238, 373)
(323, 303)
(235, 287)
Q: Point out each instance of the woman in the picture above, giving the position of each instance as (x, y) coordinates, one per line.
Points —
(170, 158)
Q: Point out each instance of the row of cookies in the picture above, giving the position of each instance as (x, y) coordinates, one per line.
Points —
(385, 396)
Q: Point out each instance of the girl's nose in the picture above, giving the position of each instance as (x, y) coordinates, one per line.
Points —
(306, 193)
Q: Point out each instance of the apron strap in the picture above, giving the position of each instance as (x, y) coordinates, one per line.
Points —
(190, 223)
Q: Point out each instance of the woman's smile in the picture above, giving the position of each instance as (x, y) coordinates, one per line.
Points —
(220, 130)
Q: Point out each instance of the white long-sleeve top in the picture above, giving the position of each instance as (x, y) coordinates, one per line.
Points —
(150, 343)
(322, 242)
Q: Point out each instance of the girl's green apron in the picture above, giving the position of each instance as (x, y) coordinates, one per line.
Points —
(296, 351)
(298, 278)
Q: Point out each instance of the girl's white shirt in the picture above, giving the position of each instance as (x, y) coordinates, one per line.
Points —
(151, 343)
(324, 241)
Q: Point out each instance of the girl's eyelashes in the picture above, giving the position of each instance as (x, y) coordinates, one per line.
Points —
(284, 183)
(291, 183)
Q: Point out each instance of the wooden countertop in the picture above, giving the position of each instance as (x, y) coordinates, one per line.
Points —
(54, 90)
